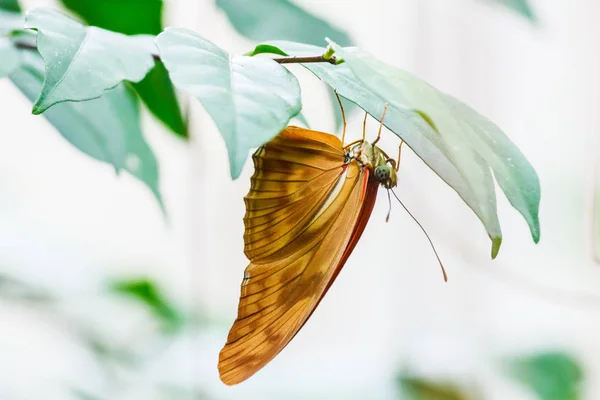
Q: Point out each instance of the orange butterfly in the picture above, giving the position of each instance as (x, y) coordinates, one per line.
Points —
(309, 202)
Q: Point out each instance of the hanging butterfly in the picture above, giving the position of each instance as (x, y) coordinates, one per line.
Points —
(309, 202)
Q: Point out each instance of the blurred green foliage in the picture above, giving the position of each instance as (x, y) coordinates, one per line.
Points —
(552, 375)
(130, 17)
(413, 388)
(10, 5)
(84, 395)
(15, 289)
(148, 293)
(521, 6)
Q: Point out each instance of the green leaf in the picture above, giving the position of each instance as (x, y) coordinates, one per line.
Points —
(82, 63)
(552, 376)
(10, 5)
(107, 129)
(265, 48)
(349, 108)
(422, 389)
(262, 20)
(147, 292)
(130, 17)
(283, 20)
(107, 351)
(473, 144)
(302, 119)
(250, 99)
(157, 92)
(10, 56)
(134, 17)
(520, 6)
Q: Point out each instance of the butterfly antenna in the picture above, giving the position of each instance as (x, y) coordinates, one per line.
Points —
(343, 115)
(387, 219)
(425, 232)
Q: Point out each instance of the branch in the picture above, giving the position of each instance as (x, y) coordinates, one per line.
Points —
(304, 60)
(28, 45)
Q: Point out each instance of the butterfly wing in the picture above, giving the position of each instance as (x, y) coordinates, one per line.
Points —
(304, 213)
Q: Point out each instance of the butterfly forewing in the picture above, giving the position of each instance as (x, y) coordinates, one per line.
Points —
(304, 213)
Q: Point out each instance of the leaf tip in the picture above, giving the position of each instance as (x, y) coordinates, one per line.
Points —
(38, 109)
(237, 159)
(235, 171)
(496, 242)
(535, 230)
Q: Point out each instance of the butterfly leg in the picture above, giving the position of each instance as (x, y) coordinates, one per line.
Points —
(365, 126)
(395, 163)
(399, 154)
(343, 115)
(381, 124)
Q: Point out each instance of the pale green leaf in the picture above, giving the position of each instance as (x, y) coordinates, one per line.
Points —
(250, 99)
(82, 63)
(10, 21)
(349, 109)
(133, 17)
(473, 144)
(107, 129)
(10, 56)
(262, 20)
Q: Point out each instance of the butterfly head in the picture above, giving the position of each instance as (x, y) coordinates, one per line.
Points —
(372, 157)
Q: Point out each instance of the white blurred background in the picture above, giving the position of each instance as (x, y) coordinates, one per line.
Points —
(69, 225)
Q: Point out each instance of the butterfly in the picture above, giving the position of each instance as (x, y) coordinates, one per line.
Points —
(309, 202)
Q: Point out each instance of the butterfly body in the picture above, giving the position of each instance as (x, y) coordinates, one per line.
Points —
(309, 202)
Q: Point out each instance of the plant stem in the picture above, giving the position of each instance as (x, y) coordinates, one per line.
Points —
(28, 45)
(304, 60)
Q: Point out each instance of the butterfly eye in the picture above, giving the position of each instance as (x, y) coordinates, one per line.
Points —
(386, 176)
(382, 173)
